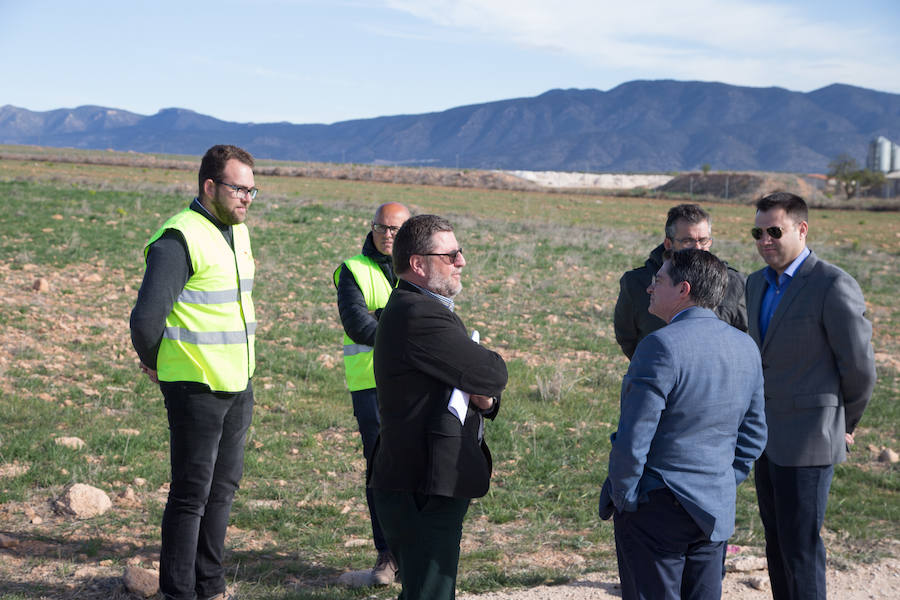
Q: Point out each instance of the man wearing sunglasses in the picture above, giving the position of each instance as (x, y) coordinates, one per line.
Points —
(193, 328)
(687, 226)
(808, 318)
(428, 461)
(364, 283)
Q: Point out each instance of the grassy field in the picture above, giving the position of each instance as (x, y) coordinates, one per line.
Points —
(541, 283)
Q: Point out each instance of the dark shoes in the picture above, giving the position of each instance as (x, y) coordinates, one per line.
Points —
(385, 570)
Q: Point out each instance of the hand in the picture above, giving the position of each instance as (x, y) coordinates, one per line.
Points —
(482, 402)
(848, 437)
(150, 373)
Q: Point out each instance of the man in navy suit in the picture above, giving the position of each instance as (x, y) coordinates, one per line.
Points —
(691, 425)
(808, 318)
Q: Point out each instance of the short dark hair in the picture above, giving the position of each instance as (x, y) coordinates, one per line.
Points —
(794, 206)
(707, 275)
(691, 213)
(214, 160)
(414, 237)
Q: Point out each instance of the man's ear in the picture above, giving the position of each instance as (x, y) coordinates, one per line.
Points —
(209, 188)
(417, 264)
(685, 290)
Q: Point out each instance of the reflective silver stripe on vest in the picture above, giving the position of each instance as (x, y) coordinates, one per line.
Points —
(199, 297)
(217, 297)
(206, 337)
(354, 349)
(251, 328)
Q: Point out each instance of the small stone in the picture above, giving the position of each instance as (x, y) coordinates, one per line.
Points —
(142, 582)
(131, 432)
(127, 497)
(357, 543)
(83, 501)
(41, 284)
(140, 481)
(759, 583)
(93, 278)
(70, 442)
(889, 456)
(356, 579)
(743, 564)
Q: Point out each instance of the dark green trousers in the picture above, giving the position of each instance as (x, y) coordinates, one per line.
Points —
(424, 533)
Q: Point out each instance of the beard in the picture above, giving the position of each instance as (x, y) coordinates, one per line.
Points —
(445, 286)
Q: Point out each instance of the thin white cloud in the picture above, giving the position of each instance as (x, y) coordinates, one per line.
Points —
(740, 41)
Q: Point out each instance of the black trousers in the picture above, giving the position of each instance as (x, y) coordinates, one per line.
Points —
(424, 533)
(207, 431)
(365, 409)
(664, 555)
(792, 502)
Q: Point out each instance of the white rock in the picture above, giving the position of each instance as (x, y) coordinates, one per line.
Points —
(889, 456)
(759, 583)
(70, 442)
(83, 501)
(356, 578)
(743, 564)
(140, 581)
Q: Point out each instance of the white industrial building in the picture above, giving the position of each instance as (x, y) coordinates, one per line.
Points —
(884, 156)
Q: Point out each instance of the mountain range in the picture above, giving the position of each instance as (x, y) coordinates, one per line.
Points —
(639, 126)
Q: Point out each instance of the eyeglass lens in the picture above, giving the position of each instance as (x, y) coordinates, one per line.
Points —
(774, 232)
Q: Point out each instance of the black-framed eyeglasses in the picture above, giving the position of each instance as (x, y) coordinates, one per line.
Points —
(774, 232)
(384, 229)
(453, 255)
(240, 191)
(689, 242)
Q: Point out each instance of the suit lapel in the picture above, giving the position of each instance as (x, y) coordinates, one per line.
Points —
(797, 284)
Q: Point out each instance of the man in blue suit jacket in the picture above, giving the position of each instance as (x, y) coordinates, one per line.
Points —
(808, 318)
(692, 423)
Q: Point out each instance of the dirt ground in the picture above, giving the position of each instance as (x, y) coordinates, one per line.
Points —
(879, 581)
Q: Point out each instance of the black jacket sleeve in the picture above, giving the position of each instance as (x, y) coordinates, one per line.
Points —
(168, 270)
(358, 322)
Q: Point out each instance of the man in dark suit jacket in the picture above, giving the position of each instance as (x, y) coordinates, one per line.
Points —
(807, 316)
(687, 226)
(428, 461)
(691, 425)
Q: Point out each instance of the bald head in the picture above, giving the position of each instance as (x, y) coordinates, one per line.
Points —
(388, 219)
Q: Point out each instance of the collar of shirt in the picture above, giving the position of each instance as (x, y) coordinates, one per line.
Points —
(197, 206)
(778, 281)
(448, 302)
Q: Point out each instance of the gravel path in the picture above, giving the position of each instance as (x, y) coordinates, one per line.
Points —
(879, 581)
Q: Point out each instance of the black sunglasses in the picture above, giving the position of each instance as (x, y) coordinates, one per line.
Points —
(774, 232)
(451, 255)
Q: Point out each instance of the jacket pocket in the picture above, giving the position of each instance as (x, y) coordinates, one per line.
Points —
(815, 400)
(459, 466)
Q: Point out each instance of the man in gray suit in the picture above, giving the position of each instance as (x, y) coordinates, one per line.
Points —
(691, 425)
(808, 318)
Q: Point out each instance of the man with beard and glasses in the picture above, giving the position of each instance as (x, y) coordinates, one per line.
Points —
(193, 328)
(429, 460)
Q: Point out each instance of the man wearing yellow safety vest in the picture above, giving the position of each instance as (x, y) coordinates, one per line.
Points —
(364, 284)
(193, 328)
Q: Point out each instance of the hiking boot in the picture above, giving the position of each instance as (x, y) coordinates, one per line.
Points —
(385, 570)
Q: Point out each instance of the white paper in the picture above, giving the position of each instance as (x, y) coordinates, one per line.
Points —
(459, 400)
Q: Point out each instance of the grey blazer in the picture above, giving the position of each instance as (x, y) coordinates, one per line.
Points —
(818, 363)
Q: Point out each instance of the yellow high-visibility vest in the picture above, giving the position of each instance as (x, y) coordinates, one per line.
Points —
(359, 358)
(210, 332)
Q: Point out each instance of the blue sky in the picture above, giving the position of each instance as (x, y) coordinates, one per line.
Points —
(321, 61)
